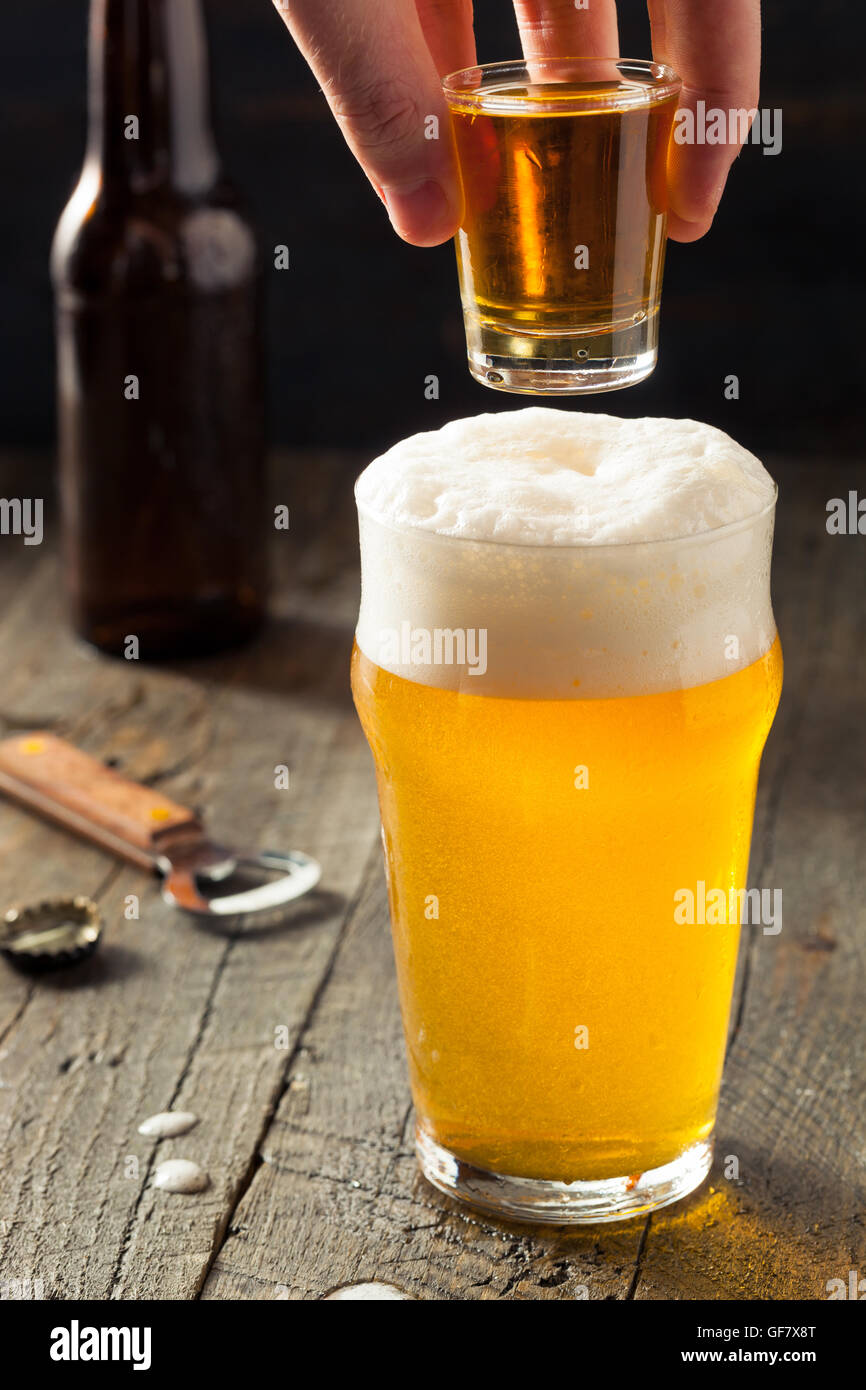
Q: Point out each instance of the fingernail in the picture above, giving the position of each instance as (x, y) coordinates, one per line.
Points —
(422, 214)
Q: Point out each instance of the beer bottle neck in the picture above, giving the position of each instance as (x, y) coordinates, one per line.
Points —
(149, 120)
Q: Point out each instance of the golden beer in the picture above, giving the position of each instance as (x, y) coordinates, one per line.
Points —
(554, 911)
(566, 667)
(561, 250)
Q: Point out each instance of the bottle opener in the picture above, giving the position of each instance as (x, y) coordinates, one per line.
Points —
(49, 776)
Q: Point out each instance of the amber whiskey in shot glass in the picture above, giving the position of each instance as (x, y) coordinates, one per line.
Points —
(561, 251)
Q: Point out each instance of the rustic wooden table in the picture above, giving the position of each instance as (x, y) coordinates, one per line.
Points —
(287, 1042)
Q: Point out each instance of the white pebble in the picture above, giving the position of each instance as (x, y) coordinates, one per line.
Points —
(180, 1175)
(168, 1123)
(367, 1291)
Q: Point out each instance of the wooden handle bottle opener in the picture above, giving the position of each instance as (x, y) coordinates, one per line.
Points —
(58, 781)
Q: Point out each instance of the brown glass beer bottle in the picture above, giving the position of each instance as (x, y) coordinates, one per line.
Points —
(160, 387)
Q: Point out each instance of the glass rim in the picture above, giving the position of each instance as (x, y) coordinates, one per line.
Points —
(694, 538)
(464, 88)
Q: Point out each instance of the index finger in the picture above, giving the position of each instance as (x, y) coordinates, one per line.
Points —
(380, 80)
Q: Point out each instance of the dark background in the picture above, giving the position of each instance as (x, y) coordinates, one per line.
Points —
(774, 293)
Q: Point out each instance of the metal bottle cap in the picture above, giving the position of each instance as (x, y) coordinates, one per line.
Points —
(51, 934)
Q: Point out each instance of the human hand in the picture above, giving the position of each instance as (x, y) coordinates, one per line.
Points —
(380, 62)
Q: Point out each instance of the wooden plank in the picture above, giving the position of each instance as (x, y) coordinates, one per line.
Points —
(169, 1014)
(173, 1015)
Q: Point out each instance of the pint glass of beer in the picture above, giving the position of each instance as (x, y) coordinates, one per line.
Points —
(561, 250)
(566, 667)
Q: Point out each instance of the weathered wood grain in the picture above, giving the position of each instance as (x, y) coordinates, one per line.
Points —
(309, 1142)
(168, 1014)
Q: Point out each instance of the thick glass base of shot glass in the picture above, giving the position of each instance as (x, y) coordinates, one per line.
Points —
(507, 357)
(559, 1203)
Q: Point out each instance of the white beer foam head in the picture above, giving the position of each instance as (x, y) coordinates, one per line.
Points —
(597, 555)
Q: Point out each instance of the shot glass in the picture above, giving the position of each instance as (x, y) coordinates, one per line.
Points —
(561, 250)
